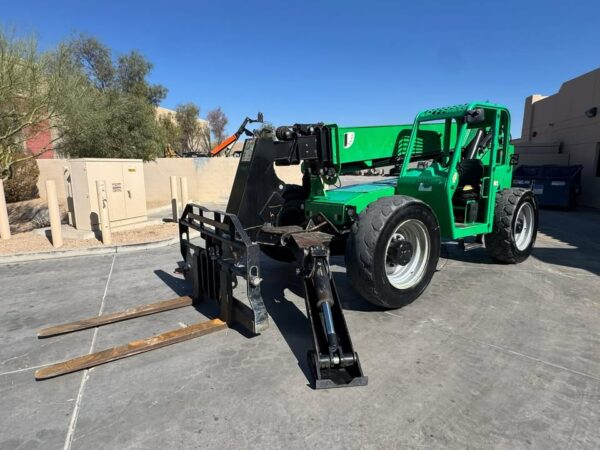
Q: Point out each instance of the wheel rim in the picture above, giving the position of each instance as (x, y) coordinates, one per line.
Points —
(412, 238)
(524, 226)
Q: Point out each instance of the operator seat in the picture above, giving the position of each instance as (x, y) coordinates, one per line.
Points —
(470, 172)
(470, 169)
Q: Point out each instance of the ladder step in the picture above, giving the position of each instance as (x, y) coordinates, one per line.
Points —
(105, 319)
(472, 246)
(466, 246)
(130, 349)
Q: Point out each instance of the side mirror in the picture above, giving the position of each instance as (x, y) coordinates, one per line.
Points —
(260, 117)
(476, 115)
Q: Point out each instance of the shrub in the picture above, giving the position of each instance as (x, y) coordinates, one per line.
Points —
(22, 182)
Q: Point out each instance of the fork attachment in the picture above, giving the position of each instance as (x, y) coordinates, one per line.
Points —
(333, 362)
(224, 266)
(219, 267)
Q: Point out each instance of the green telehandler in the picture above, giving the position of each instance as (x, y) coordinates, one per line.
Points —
(453, 173)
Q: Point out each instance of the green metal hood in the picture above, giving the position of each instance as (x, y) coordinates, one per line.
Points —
(335, 203)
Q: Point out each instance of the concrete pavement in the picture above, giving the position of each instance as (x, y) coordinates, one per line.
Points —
(491, 356)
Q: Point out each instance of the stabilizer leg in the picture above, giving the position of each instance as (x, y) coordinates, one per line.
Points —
(333, 361)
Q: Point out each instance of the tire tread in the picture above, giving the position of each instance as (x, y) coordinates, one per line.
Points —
(498, 243)
(372, 220)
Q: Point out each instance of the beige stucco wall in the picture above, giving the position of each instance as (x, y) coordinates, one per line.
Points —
(209, 179)
(561, 118)
(536, 154)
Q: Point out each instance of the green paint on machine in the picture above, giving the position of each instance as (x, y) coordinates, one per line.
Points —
(430, 154)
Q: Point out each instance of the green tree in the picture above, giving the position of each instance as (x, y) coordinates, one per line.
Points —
(113, 126)
(131, 73)
(95, 59)
(116, 119)
(194, 136)
(35, 87)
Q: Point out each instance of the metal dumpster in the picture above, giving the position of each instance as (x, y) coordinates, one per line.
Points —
(553, 186)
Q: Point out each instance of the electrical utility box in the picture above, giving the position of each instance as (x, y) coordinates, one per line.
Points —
(125, 187)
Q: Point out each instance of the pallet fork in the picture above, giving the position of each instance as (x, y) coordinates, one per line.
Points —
(213, 269)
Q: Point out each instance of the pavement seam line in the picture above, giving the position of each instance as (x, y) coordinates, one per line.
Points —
(500, 348)
(86, 372)
(25, 369)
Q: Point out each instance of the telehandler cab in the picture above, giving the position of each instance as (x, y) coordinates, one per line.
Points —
(454, 172)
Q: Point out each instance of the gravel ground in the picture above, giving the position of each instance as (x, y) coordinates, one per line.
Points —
(32, 242)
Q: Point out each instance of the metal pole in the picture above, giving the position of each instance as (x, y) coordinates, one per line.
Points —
(184, 192)
(103, 216)
(69, 192)
(4, 225)
(174, 205)
(54, 213)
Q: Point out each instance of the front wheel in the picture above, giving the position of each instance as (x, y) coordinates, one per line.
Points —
(393, 250)
(515, 226)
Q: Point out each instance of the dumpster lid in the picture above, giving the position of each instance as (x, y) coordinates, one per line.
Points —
(550, 171)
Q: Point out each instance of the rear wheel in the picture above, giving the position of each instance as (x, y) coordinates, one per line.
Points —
(515, 226)
(393, 250)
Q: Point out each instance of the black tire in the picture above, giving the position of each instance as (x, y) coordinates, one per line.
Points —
(366, 255)
(292, 213)
(501, 243)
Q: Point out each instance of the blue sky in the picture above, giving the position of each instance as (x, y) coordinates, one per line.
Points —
(349, 62)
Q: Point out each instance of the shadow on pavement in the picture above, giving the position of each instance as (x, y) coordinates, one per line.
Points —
(177, 283)
(574, 242)
(577, 258)
(576, 229)
(181, 287)
(289, 318)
